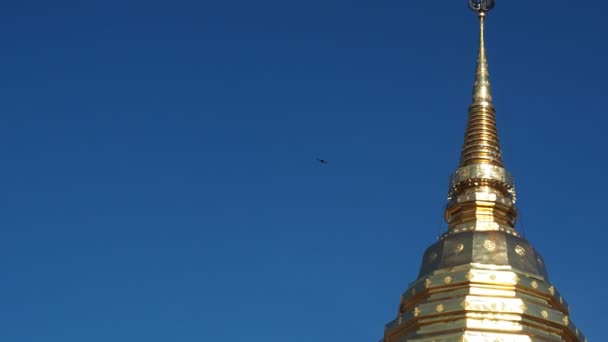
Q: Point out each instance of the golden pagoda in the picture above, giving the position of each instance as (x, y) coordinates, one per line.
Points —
(482, 281)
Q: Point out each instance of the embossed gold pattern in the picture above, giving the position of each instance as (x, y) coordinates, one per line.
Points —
(489, 245)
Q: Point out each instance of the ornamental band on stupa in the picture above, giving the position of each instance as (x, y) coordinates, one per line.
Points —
(482, 281)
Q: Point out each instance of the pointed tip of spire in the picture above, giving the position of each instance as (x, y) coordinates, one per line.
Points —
(481, 145)
(482, 91)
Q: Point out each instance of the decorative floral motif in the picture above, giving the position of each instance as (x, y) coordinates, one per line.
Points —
(489, 245)
(458, 248)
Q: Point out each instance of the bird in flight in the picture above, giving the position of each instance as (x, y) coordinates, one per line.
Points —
(322, 161)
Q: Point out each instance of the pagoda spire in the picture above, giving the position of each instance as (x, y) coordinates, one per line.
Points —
(482, 281)
(482, 193)
(481, 143)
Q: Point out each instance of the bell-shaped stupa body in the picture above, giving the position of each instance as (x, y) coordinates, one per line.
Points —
(482, 281)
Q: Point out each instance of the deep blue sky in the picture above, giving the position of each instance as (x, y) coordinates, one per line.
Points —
(159, 182)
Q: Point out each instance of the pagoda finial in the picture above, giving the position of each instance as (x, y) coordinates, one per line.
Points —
(481, 6)
(482, 91)
(481, 145)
